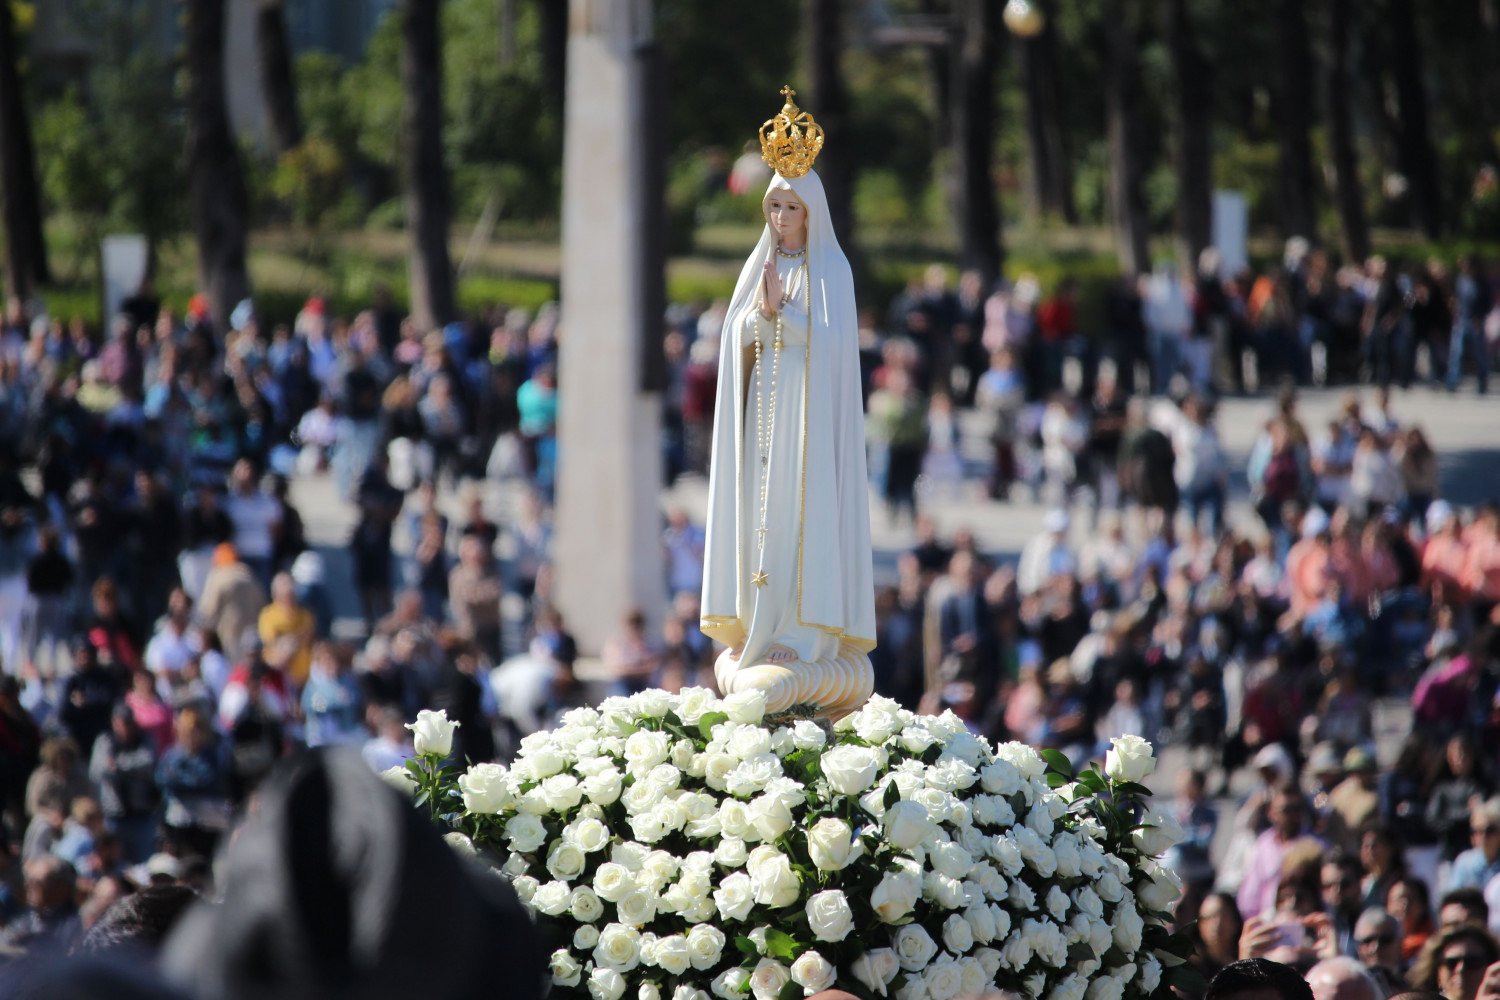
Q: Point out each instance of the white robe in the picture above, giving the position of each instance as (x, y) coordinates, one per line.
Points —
(818, 588)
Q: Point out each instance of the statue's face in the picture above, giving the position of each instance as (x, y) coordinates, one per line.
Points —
(788, 218)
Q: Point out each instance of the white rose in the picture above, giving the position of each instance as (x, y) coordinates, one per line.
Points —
(958, 937)
(946, 892)
(769, 976)
(1088, 901)
(705, 945)
(672, 955)
(974, 981)
(693, 703)
(734, 819)
(746, 707)
(938, 802)
(1129, 759)
(1108, 886)
(895, 896)
(829, 915)
(850, 769)
(432, 733)
(981, 922)
(652, 703)
(770, 817)
(604, 788)
(585, 906)
(1016, 951)
(878, 720)
(613, 881)
(1163, 887)
(831, 844)
(461, 844)
(1128, 926)
(586, 936)
(565, 861)
(645, 749)
(587, 834)
(619, 948)
(660, 867)
(1007, 855)
(989, 961)
(813, 972)
(688, 993)
(606, 984)
(552, 898)
(875, 969)
(951, 859)
(565, 968)
(1158, 834)
(735, 896)
(1000, 777)
(1105, 988)
(907, 824)
(524, 833)
(525, 887)
(545, 761)
(752, 774)
(399, 778)
(943, 979)
(775, 884)
(637, 908)
(808, 735)
(731, 984)
(748, 741)
(915, 988)
(1022, 896)
(648, 991)
(1150, 975)
(1065, 852)
(914, 947)
(1071, 988)
(484, 789)
(730, 852)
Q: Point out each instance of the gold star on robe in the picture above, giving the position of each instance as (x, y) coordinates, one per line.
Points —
(759, 578)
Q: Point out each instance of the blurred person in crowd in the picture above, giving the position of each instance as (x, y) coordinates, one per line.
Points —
(232, 601)
(1377, 942)
(1464, 783)
(897, 429)
(1216, 933)
(1287, 815)
(49, 926)
(474, 592)
(1476, 867)
(1462, 906)
(193, 779)
(332, 705)
(1257, 979)
(123, 766)
(1409, 901)
(61, 770)
(1454, 961)
(288, 629)
(1342, 978)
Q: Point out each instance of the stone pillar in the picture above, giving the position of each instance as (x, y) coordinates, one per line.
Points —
(607, 547)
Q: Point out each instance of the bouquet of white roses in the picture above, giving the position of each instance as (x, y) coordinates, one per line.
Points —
(681, 847)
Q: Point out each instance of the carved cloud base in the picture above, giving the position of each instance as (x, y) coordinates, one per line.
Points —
(834, 686)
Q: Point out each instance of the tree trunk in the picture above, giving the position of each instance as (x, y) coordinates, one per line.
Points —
(1122, 122)
(507, 16)
(554, 29)
(1417, 159)
(1194, 124)
(1051, 175)
(1290, 110)
(278, 85)
(828, 101)
(1489, 73)
(217, 195)
(25, 246)
(426, 179)
(975, 56)
(1337, 99)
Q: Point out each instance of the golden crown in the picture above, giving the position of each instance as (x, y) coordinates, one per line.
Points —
(791, 141)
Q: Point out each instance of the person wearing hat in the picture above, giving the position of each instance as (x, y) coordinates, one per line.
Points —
(1355, 802)
(1047, 555)
(232, 601)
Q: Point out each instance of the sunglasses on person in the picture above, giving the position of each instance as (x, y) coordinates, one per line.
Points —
(1484, 831)
(1375, 939)
(1473, 961)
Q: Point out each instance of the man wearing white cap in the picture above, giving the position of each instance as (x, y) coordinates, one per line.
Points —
(1047, 555)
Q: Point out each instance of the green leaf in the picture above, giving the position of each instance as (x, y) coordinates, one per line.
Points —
(747, 947)
(1091, 780)
(1057, 761)
(1055, 780)
(780, 944)
(791, 991)
(892, 795)
(707, 722)
(1132, 788)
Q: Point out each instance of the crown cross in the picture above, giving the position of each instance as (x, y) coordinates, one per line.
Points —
(791, 141)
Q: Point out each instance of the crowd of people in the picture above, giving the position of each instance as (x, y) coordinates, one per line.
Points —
(167, 634)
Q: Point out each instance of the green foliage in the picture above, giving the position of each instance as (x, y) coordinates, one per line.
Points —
(311, 180)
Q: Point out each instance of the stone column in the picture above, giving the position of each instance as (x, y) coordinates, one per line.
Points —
(607, 547)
